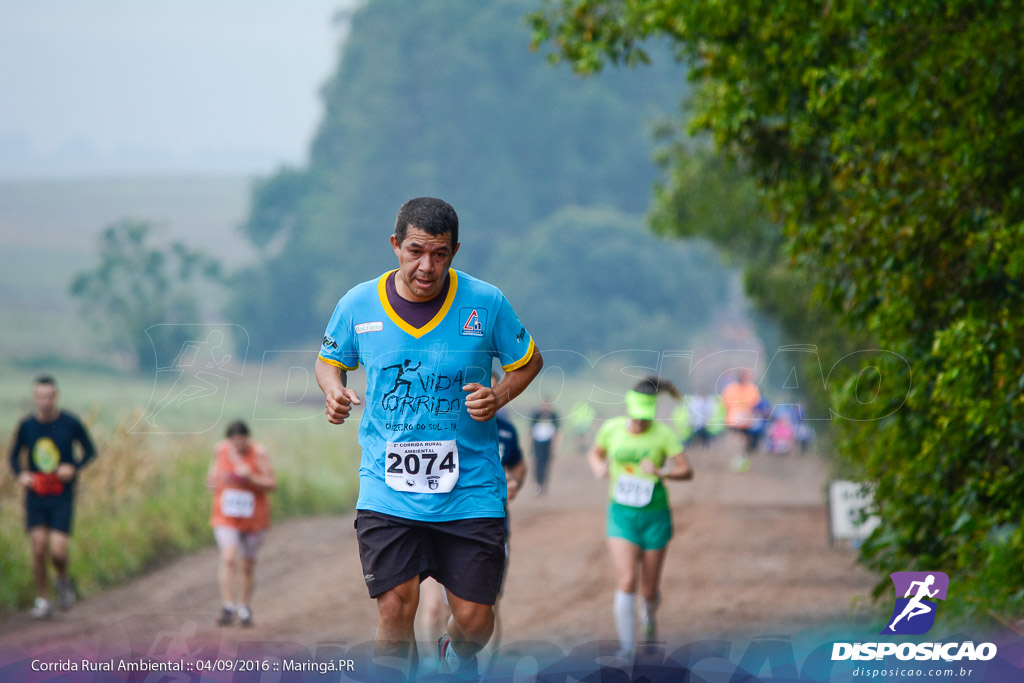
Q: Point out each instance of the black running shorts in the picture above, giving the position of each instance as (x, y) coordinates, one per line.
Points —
(466, 556)
(54, 512)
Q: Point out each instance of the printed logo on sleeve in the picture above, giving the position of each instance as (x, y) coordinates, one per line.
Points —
(474, 320)
(329, 342)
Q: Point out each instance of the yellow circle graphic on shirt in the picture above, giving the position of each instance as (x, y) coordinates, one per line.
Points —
(46, 455)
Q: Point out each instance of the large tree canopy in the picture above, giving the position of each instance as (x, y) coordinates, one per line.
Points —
(443, 99)
(887, 137)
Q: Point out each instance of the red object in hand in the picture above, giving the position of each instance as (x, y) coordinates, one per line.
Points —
(47, 484)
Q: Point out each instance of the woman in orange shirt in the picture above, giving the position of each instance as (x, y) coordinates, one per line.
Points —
(240, 477)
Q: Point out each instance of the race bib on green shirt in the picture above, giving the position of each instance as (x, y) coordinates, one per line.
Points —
(633, 491)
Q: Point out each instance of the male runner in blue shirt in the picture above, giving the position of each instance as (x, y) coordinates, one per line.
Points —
(431, 487)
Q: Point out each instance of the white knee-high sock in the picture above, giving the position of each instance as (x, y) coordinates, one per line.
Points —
(624, 608)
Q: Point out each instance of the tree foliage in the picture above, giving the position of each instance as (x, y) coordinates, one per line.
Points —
(886, 137)
(598, 283)
(140, 296)
(443, 99)
(706, 195)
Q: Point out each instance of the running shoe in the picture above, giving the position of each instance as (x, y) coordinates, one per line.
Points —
(245, 616)
(740, 463)
(624, 653)
(650, 629)
(42, 609)
(65, 593)
(468, 669)
(227, 616)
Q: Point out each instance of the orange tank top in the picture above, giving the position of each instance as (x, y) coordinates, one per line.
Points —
(740, 401)
(237, 503)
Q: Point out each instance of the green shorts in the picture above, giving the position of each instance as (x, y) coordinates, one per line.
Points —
(649, 529)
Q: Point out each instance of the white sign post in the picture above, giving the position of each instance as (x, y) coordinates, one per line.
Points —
(847, 501)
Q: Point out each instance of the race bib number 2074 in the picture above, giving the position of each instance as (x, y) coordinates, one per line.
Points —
(422, 466)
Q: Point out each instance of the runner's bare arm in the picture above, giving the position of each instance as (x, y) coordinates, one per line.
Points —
(514, 478)
(483, 402)
(338, 398)
(597, 458)
(264, 476)
(681, 468)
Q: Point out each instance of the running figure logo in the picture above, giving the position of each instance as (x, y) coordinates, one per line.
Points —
(403, 368)
(914, 613)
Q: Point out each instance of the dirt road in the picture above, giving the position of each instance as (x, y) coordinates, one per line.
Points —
(750, 556)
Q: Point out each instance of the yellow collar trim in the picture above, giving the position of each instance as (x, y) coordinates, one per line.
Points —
(382, 292)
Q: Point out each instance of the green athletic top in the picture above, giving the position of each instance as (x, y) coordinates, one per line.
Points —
(629, 485)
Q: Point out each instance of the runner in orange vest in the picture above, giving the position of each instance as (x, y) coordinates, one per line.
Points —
(740, 398)
(240, 477)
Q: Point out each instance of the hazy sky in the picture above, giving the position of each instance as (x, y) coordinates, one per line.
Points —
(149, 86)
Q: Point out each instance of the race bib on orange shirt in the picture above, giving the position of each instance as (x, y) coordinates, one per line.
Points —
(237, 503)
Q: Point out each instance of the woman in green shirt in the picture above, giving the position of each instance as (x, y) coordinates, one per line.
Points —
(637, 453)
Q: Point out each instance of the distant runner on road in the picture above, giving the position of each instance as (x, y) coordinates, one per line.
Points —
(48, 436)
(545, 436)
(240, 477)
(431, 487)
(637, 453)
(741, 398)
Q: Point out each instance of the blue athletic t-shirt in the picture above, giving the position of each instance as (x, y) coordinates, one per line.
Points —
(423, 456)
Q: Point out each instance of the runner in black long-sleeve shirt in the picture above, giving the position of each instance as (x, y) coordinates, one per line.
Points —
(48, 435)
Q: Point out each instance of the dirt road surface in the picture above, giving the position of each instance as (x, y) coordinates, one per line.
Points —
(750, 556)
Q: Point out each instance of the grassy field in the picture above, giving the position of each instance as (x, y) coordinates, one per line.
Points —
(143, 500)
(48, 233)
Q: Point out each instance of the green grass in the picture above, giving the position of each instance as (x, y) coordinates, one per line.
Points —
(144, 499)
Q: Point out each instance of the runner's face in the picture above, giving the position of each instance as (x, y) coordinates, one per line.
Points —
(423, 262)
(240, 442)
(45, 397)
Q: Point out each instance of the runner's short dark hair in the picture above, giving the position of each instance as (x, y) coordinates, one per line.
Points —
(237, 428)
(46, 379)
(431, 215)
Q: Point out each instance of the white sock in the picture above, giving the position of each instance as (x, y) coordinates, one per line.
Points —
(624, 608)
